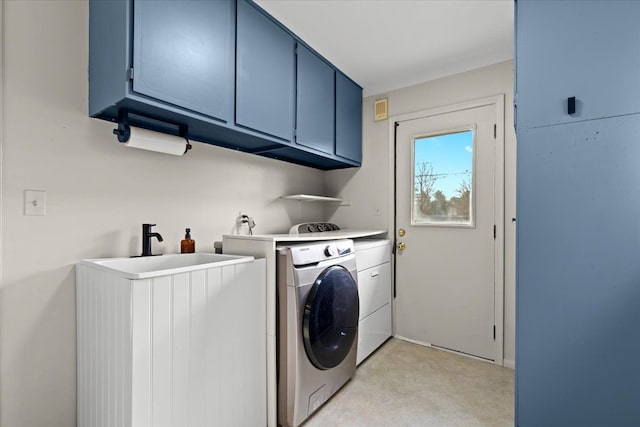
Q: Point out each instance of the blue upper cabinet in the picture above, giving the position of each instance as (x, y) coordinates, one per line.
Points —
(182, 54)
(167, 66)
(601, 83)
(222, 72)
(315, 108)
(265, 74)
(348, 118)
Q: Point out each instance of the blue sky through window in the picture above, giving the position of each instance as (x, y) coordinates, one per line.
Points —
(451, 156)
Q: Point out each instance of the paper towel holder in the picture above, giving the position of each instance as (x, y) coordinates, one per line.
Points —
(123, 131)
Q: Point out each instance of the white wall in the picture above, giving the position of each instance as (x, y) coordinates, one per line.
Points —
(98, 195)
(368, 188)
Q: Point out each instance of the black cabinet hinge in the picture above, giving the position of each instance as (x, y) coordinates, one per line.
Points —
(494, 231)
(494, 332)
(495, 131)
(131, 73)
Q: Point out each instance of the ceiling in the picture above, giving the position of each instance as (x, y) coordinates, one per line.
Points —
(389, 44)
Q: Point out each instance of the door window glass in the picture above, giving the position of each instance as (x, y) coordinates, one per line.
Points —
(443, 179)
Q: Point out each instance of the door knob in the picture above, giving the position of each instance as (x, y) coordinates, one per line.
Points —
(401, 246)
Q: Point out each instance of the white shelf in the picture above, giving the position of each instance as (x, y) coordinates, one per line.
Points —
(311, 198)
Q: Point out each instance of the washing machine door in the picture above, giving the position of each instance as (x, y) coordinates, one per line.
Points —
(330, 320)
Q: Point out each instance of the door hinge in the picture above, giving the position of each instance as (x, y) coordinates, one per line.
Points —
(131, 73)
(495, 131)
(494, 332)
(494, 231)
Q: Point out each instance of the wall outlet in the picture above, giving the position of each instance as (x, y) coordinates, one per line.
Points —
(35, 202)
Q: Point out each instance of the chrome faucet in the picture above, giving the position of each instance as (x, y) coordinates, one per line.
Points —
(146, 239)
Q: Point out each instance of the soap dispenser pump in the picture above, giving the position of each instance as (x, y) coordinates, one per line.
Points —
(188, 245)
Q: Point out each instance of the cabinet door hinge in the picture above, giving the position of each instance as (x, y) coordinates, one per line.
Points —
(494, 231)
(494, 332)
(495, 131)
(131, 73)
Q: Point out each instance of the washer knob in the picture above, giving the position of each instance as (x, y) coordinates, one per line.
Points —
(330, 251)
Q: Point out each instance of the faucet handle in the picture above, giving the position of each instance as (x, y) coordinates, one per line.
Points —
(146, 228)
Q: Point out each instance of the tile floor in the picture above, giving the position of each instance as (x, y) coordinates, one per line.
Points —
(404, 384)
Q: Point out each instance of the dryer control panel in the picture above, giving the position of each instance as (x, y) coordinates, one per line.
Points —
(312, 227)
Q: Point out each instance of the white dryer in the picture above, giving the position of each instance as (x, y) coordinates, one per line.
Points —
(318, 312)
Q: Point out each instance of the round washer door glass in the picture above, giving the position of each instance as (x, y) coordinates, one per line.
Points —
(330, 321)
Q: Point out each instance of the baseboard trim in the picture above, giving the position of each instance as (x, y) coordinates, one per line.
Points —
(435, 347)
(508, 363)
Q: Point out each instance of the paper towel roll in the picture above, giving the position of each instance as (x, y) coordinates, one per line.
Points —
(154, 141)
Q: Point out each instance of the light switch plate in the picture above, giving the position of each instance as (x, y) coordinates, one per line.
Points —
(35, 202)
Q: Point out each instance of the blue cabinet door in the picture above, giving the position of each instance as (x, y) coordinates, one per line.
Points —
(265, 79)
(582, 49)
(577, 298)
(315, 107)
(348, 118)
(183, 54)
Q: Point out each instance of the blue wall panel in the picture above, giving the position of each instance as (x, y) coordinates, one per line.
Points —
(578, 279)
(583, 49)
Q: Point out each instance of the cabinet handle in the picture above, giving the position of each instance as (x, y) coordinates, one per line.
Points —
(571, 105)
(374, 274)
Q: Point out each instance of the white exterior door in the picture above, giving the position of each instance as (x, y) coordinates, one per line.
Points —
(445, 229)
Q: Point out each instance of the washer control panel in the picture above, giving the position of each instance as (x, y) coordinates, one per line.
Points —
(312, 227)
(311, 253)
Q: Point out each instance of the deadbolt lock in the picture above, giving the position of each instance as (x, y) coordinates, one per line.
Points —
(401, 246)
(401, 232)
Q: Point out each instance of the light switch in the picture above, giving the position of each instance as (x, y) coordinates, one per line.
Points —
(35, 202)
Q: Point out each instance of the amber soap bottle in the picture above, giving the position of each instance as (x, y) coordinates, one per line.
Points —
(188, 245)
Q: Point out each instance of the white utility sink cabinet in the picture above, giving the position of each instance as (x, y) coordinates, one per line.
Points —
(175, 340)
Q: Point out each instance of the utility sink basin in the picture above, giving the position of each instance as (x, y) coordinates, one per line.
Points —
(162, 265)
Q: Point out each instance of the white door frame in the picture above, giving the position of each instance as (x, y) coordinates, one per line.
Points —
(1, 166)
(498, 102)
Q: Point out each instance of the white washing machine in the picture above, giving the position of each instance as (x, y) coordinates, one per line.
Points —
(318, 312)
